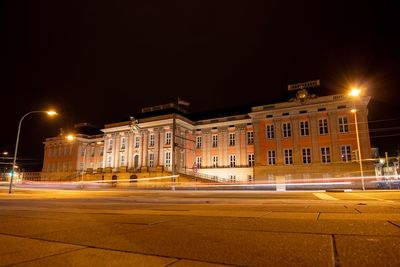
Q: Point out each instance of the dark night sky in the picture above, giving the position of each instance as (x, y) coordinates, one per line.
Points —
(101, 61)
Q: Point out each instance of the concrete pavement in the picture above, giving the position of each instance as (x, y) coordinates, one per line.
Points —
(164, 228)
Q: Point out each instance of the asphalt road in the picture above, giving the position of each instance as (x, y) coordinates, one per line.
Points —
(198, 228)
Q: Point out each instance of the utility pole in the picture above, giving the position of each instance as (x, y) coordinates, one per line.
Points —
(173, 150)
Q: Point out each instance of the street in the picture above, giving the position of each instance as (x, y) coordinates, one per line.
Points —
(122, 227)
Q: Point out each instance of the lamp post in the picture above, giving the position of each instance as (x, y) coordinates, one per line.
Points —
(50, 113)
(355, 93)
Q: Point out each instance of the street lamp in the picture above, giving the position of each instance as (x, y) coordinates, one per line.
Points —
(355, 92)
(49, 113)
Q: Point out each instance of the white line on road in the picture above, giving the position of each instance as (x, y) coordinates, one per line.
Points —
(324, 196)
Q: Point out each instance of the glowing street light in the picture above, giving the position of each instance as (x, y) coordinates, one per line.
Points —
(49, 113)
(355, 93)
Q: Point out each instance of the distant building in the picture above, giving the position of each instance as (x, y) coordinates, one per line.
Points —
(304, 138)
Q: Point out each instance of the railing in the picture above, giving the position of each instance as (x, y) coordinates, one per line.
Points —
(213, 178)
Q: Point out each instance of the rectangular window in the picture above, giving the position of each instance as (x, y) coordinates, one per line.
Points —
(306, 153)
(343, 125)
(109, 161)
(346, 153)
(323, 126)
(325, 155)
(232, 161)
(168, 159)
(271, 157)
(270, 131)
(152, 139)
(83, 150)
(249, 178)
(198, 162)
(288, 156)
(92, 151)
(168, 138)
(251, 160)
(215, 161)
(231, 139)
(122, 160)
(287, 131)
(123, 143)
(304, 131)
(250, 138)
(232, 178)
(110, 144)
(151, 160)
(101, 150)
(137, 142)
(198, 141)
(214, 140)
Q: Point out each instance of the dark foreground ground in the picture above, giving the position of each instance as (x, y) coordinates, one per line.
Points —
(198, 228)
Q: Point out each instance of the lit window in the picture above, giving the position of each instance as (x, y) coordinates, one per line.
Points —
(110, 144)
(152, 139)
(168, 159)
(123, 143)
(137, 142)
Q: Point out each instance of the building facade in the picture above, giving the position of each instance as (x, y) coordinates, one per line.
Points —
(304, 138)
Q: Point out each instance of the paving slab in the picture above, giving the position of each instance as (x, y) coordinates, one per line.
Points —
(100, 257)
(360, 216)
(17, 249)
(246, 248)
(367, 251)
(185, 263)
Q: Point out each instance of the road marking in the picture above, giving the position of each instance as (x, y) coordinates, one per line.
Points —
(380, 199)
(324, 196)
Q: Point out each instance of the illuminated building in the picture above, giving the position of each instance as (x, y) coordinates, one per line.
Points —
(304, 138)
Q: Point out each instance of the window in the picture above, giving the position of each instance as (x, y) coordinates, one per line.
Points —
(151, 160)
(101, 150)
(231, 139)
(271, 157)
(250, 138)
(109, 161)
(346, 153)
(270, 131)
(251, 160)
(152, 138)
(304, 128)
(83, 151)
(232, 178)
(249, 178)
(288, 156)
(215, 161)
(343, 125)
(92, 151)
(110, 144)
(122, 160)
(214, 140)
(137, 142)
(323, 126)
(168, 159)
(198, 141)
(325, 155)
(168, 138)
(123, 143)
(306, 153)
(287, 132)
(232, 161)
(198, 162)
